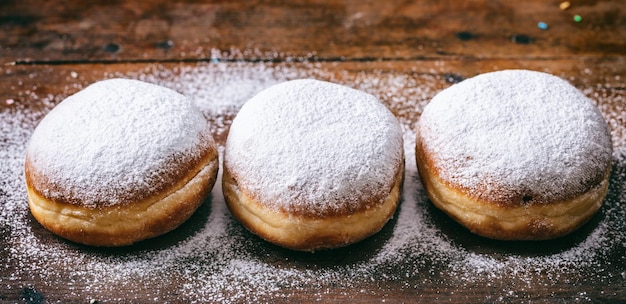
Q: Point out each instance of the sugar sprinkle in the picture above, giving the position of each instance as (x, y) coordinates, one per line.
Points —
(347, 152)
(218, 261)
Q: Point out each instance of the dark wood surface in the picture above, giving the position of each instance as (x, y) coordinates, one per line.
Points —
(323, 30)
(51, 49)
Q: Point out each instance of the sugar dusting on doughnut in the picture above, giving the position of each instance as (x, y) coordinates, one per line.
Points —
(516, 143)
(307, 145)
(133, 149)
(210, 265)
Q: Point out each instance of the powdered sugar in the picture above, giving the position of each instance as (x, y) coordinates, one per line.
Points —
(116, 141)
(511, 136)
(211, 258)
(314, 147)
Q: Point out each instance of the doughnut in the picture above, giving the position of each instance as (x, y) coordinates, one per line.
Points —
(312, 165)
(514, 155)
(119, 162)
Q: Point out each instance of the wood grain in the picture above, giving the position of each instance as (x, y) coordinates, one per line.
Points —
(23, 81)
(51, 49)
(32, 31)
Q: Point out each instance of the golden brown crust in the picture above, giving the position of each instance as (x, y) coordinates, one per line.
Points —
(530, 221)
(126, 224)
(298, 208)
(308, 232)
(178, 170)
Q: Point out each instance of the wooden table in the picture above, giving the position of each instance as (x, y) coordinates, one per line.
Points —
(222, 52)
